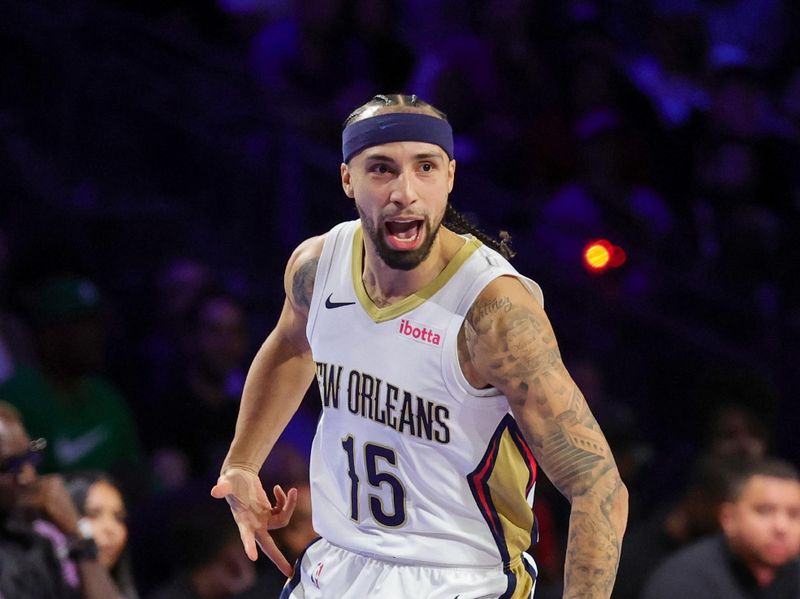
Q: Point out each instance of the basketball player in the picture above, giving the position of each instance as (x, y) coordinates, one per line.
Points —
(442, 389)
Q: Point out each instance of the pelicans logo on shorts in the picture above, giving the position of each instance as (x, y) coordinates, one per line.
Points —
(317, 573)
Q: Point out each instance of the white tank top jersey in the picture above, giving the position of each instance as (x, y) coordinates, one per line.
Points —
(410, 464)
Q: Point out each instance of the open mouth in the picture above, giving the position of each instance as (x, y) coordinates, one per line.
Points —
(404, 234)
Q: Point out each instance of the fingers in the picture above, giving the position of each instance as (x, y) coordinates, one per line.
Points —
(248, 540)
(255, 515)
(284, 507)
(244, 518)
(270, 549)
(280, 496)
(282, 499)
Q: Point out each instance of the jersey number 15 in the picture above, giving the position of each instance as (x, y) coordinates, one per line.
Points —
(375, 478)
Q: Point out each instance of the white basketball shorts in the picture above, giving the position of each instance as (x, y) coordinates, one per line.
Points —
(326, 571)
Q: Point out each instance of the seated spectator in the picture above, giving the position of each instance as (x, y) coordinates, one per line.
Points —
(80, 413)
(207, 386)
(210, 559)
(101, 503)
(40, 527)
(174, 288)
(758, 552)
(736, 412)
(672, 526)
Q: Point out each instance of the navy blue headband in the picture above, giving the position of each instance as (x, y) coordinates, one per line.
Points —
(396, 126)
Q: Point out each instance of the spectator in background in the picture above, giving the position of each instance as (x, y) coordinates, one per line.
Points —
(208, 383)
(176, 286)
(100, 502)
(40, 528)
(669, 70)
(672, 526)
(737, 431)
(757, 554)
(734, 412)
(82, 415)
(210, 560)
(743, 185)
(297, 61)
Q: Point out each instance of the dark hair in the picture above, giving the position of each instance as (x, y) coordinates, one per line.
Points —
(453, 219)
(392, 102)
(78, 485)
(741, 472)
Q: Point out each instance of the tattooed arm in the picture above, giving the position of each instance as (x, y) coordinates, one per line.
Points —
(278, 378)
(507, 342)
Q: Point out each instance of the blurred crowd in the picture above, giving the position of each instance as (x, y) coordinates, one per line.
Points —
(163, 158)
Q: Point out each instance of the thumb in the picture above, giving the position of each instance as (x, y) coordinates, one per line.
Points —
(221, 489)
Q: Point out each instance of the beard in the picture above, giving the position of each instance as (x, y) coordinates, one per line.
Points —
(400, 259)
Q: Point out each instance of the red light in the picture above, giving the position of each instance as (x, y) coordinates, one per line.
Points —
(600, 254)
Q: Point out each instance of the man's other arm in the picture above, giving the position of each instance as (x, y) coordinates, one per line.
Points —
(508, 343)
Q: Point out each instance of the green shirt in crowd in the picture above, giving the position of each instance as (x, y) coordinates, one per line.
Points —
(90, 428)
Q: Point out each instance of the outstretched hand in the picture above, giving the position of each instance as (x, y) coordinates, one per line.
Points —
(254, 514)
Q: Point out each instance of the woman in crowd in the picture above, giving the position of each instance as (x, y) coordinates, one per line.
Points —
(101, 503)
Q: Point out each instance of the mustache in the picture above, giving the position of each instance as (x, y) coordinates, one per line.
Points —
(404, 215)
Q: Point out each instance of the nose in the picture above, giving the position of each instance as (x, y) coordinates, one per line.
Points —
(783, 523)
(403, 193)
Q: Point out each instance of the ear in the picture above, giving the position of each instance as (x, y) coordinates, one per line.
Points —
(727, 517)
(451, 175)
(347, 184)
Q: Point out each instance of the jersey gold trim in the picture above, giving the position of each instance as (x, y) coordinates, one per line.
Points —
(414, 300)
(496, 485)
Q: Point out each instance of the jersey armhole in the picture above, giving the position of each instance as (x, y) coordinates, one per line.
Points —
(455, 381)
(333, 239)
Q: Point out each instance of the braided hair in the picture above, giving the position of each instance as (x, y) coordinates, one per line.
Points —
(453, 220)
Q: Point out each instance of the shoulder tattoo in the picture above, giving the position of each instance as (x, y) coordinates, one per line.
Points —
(484, 308)
(303, 283)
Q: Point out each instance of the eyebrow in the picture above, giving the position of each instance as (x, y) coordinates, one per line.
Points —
(428, 156)
(422, 156)
(380, 157)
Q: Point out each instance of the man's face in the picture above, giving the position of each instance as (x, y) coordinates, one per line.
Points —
(763, 525)
(14, 442)
(76, 344)
(221, 337)
(401, 191)
(737, 434)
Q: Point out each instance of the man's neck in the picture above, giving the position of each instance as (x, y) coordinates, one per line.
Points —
(386, 285)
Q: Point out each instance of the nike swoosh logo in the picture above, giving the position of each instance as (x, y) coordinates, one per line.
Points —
(330, 305)
(69, 451)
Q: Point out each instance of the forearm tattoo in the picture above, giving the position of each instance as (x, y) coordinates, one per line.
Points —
(303, 283)
(517, 352)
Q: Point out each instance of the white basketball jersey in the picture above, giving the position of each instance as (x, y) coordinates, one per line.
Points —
(409, 462)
